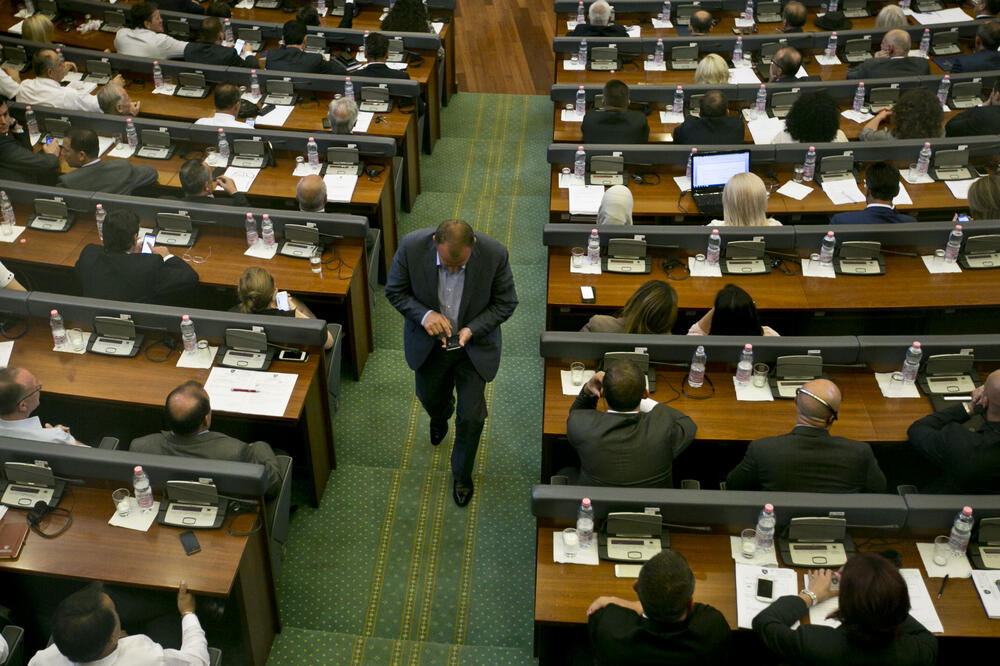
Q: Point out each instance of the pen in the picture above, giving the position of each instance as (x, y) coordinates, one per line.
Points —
(245, 390)
(943, 583)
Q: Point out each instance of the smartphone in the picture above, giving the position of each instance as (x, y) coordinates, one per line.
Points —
(282, 298)
(296, 355)
(452, 344)
(587, 294)
(962, 217)
(238, 46)
(148, 241)
(835, 582)
(765, 589)
(190, 542)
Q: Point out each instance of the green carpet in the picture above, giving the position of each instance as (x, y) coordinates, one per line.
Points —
(388, 570)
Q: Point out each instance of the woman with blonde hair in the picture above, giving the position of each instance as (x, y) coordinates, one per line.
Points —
(712, 70)
(38, 28)
(258, 295)
(744, 203)
(651, 309)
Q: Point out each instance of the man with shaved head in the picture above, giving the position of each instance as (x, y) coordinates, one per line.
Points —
(963, 442)
(311, 194)
(891, 61)
(809, 458)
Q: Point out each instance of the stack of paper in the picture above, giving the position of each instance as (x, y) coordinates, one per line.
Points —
(747, 604)
(250, 392)
(364, 122)
(742, 75)
(585, 199)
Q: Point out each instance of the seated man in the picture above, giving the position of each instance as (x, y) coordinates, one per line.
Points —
(600, 23)
(614, 123)
(81, 150)
(114, 99)
(46, 90)
(985, 56)
(963, 442)
(665, 626)
(701, 22)
(376, 51)
(891, 61)
(145, 38)
(199, 186)
(227, 106)
(10, 83)
(311, 194)
(188, 415)
(785, 65)
(292, 56)
(809, 459)
(882, 185)
(632, 444)
(978, 120)
(343, 115)
(17, 161)
(20, 395)
(86, 629)
(714, 125)
(120, 272)
(986, 8)
(793, 17)
(208, 49)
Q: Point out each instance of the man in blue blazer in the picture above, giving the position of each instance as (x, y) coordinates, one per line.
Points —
(455, 288)
(882, 183)
(985, 56)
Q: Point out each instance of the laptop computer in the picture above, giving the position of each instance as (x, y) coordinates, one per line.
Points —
(709, 175)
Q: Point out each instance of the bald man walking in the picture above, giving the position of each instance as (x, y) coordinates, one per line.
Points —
(809, 458)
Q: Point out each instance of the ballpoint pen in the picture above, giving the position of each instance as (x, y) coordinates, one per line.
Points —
(943, 583)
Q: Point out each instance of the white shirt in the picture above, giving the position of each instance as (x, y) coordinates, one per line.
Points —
(4, 650)
(148, 44)
(222, 120)
(6, 277)
(32, 428)
(46, 92)
(768, 222)
(142, 651)
(8, 86)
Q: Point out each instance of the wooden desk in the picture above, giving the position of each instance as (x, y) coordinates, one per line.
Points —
(231, 567)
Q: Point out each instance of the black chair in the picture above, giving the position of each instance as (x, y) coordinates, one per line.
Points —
(14, 636)
(277, 512)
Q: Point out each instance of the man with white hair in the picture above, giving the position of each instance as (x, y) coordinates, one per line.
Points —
(891, 61)
(343, 115)
(311, 194)
(114, 99)
(600, 23)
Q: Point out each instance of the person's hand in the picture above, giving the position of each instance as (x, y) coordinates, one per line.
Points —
(227, 184)
(161, 250)
(52, 148)
(993, 99)
(819, 584)
(595, 384)
(185, 600)
(71, 66)
(979, 397)
(464, 336)
(882, 115)
(601, 602)
(118, 79)
(437, 324)
(133, 108)
(881, 54)
(61, 427)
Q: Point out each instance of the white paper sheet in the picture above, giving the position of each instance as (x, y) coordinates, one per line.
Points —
(340, 187)
(16, 231)
(921, 607)
(575, 556)
(747, 605)
(253, 99)
(761, 558)
(438, 26)
(843, 192)
(398, 66)
(633, 31)
(573, 65)
(165, 89)
(249, 391)
(306, 169)
(5, 351)
(650, 66)
(276, 118)
(586, 269)
(742, 75)
(16, 28)
(960, 188)
(567, 381)
(744, 23)
(985, 582)
(683, 183)
(802, 73)
(244, 4)
(571, 116)
(585, 199)
(660, 24)
(827, 61)
(906, 391)
(104, 143)
(571, 25)
(67, 348)
(940, 267)
(857, 116)
(949, 15)
(703, 268)
(214, 159)
(364, 122)
(122, 150)
(914, 178)
(242, 176)
(818, 613)
(73, 76)
(199, 358)
(671, 118)
(751, 393)
(956, 567)
(903, 198)
(794, 190)
(567, 180)
(137, 520)
(763, 130)
(260, 250)
(753, 114)
(818, 269)
(915, 53)
(83, 88)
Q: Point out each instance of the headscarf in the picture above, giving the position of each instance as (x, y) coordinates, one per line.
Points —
(616, 206)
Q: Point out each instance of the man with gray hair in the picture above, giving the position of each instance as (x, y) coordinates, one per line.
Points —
(600, 23)
(114, 99)
(343, 115)
(311, 193)
(46, 88)
(892, 60)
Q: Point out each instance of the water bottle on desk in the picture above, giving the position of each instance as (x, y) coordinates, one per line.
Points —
(31, 122)
(831, 46)
(696, 376)
(254, 83)
(580, 162)
(665, 11)
(594, 247)
(678, 106)
(251, 227)
(658, 52)
(585, 523)
(581, 101)
(827, 248)
(131, 135)
(312, 152)
(745, 367)
(714, 246)
(924, 160)
(188, 336)
(687, 171)
(911, 363)
(809, 166)
(223, 146)
(348, 88)
(321, 7)
(961, 530)
(748, 11)
(8, 213)
(831, 6)
(142, 490)
(859, 97)
(580, 17)
(765, 528)
(760, 106)
(157, 75)
(904, 4)
(738, 52)
(267, 230)
(227, 31)
(99, 215)
(582, 55)
(925, 42)
(29, 7)
(58, 328)
(942, 93)
(954, 245)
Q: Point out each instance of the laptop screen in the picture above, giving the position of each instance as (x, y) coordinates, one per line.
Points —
(716, 170)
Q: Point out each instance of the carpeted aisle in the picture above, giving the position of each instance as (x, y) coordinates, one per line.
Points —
(388, 570)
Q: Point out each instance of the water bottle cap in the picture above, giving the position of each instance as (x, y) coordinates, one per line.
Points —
(812, 149)
(220, 130)
(762, 87)
(581, 88)
(249, 214)
(586, 502)
(833, 34)
(958, 227)
(700, 350)
(127, 120)
(947, 76)
(54, 313)
(916, 345)
(769, 508)
(715, 232)
(579, 147)
(927, 144)
(185, 318)
(966, 510)
(593, 231)
(861, 84)
(100, 207)
(747, 347)
(253, 71)
(266, 216)
(27, 107)
(312, 138)
(138, 469)
(156, 62)
(694, 150)
(347, 79)
(829, 234)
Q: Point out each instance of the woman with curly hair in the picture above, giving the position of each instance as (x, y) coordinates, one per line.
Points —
(917, 115)
(407, 16)
(813, 118)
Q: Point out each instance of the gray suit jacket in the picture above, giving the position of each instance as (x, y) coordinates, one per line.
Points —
(112, 176)
(212, 446)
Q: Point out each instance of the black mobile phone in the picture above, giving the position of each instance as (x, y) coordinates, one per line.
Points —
(266, 109)
(452, 344)
(765, 589)
(218, 171)
(190, 542)
(297, 355)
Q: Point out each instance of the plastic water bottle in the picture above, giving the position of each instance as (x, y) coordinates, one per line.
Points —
(59, 53)
(30, 121)
(827, 247)
(188, 336)
(809, 166)
(925, 42)
(831, 6)
(585, 523)
(254, 83)
(580, 162)
(745, 367)
(267, 230)
(765, 528)
(312, 152)
(687, 172)
(579, 13)
(961, 530)
(665, 11)
(581, 101)
(760, 106)
(748, 12)
(582, 56)
(678, 106)
(658, 52)
(131, 135)
(157, 75)
(943, 89)
(924, 160)
(223, 145)
(99, 215)
(348, 88)
(227, 31)
(696, 376)
(904, 4)
(251, 225)
(58, 328)
(738, 50)
(321, 7)
(594, 247)
(714, 245)
(954, 245)
(911, 363)
(859, 97)
(29, 7)
(8, 211)
(143, 491)
(831, 46)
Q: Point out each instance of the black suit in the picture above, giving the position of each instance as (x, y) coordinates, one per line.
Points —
(587, 30)
(890, 68)
(289, 59)
(216, 54)
(135, 277)
(808, 460)
(980, 61)
(23, 165)
(379, 70)
(238, 199)
(621, 636)
(713, 130)
(872, 215)
(187, 6)
(964, 449)
(113, 176)
(974, 122)
(615, 126)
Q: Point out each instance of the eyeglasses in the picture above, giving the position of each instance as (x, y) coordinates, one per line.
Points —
(802, 391)
(31, 393)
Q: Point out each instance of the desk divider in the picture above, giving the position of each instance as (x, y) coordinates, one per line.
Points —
(888, 350)
(939, 511)
(14, 302)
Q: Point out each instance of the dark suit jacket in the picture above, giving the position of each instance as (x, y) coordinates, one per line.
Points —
(587, 30)
(819, 645)
(622, 636)
(187, 6)
(113, 176)
(808, 460)
(965, 450)
(379, 70)
(627, 449)
(717, 130)
(615, 127)
(238, 199)
(488, 297)
(212, 446)
(974, 122)
(142, 278)
(23, 165)
(890, 68)
(287, 59)
(872, 215)
(216, 54)
(980, 61)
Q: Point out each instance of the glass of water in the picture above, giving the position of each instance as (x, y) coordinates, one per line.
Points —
(316, 264)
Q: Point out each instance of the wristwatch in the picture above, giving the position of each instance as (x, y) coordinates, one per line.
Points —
(809, 593)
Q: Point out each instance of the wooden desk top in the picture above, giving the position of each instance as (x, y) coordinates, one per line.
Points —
(563, 592)
(91, 549)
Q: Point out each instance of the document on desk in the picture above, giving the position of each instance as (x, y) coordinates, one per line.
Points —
(16, 28)
(905, 391)
(651, 66)
(671, 118)
(703, 268)
(15, 231)
(987, 586)
(921, 607)
(826, 61)
(747, 604)
(571, 65)
(566, 378)
(903, 198)
(818, 269)
(250, 391)
(763, 130)
(567, 180)
(585, 199)
(960, 188)
(742, 75)
(242, 176)
(340, 187)
(857, 116)
(571, 116)
(122, 150)
(165, 89)
(438, 26)
(954, 567)
(5, 350)
(137, 520)
(843, 192)
(660, 24)
(795, 190)
(751, 393)
(104, 143)
(275, 118)
(364, 122)
(935, 265)
(306, 169)
(950, 15)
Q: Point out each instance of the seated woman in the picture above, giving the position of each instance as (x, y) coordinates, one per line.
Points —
(616, 206)
(744, 203)
(712, 70)
(651, 309)
(734, 313)
(407, 16)
(258, 295)
(813, 118)
(875, 624)
(38, 28)
(917, 115)
(984, 198)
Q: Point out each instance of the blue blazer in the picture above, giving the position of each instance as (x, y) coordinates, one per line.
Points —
(872, 215)
(488, 297)
(980, 61)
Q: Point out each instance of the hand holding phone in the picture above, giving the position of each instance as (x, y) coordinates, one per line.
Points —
(148, 241)
(281, 298)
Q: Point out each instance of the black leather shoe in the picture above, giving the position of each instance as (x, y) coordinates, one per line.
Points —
(462, 492)
(438, 432)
